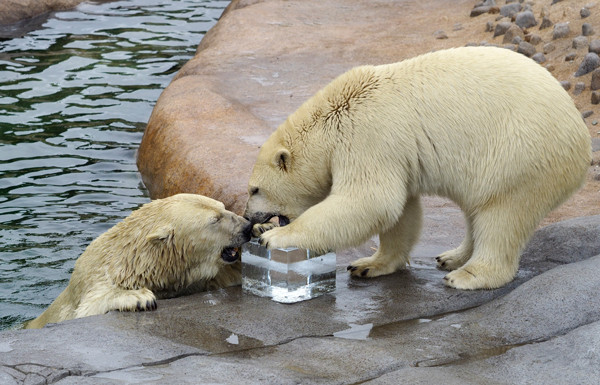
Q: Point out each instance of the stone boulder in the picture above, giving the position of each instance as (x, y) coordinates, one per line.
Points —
(12, 11)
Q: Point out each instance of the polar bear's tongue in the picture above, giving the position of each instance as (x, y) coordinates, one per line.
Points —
(230, 254)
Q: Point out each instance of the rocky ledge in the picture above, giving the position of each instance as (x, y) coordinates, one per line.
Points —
(265, 57)
(542, 328)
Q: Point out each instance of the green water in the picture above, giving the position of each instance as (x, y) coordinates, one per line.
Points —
(75, 96)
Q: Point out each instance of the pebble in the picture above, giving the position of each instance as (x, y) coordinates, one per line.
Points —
(526, 49)
(570, 56)
(457, 27)
(525, 19)
(595, 84)
(595, 97)
(590, 62)
(566, 84)
(513, 32)
(584, 12)
(509, 10)
(560, 30)
(501, 28)
(546, 23)
(587, 29)
(539, 58)
(595, 46)
(579, 88)
(587, 114)
(534, 39)
(480, 10)
(489, 27)
(439, 34)
(549, 47)
(580, 42)
(555, 1)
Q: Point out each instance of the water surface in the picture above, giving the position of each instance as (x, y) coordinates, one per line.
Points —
(74, 100)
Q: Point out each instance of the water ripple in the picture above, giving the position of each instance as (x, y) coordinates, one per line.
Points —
(74, 99)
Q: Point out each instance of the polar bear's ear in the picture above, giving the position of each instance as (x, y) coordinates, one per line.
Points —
(163, 233)
(282, 159)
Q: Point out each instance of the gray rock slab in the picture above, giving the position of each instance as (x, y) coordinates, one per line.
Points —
(540, 323)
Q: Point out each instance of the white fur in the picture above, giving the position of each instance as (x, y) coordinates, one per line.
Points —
(486, 127)
(167, 248)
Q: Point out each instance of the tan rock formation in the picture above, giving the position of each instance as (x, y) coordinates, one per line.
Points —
(12, 11)
(265, 57)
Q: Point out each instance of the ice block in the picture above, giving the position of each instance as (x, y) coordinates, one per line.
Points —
(286, 275)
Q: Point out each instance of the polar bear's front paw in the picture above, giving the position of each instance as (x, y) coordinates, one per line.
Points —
(472, 277)
(452, 259)
(260, 228)
(276, 238)
(373, 266)
(135, 300)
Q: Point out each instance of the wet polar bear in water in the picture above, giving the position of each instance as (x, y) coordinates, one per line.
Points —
(486, 127)
(169, 247)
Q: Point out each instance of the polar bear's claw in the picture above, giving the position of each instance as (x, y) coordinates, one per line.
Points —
(150, 305)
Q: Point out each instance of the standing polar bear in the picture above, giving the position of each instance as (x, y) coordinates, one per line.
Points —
(168, 247)
(486, 127)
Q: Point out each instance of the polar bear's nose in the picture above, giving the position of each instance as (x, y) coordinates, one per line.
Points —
(247, 230)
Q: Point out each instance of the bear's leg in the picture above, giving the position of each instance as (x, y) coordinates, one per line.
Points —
(104, 299)
(499, 233)
(453, 259)
(395, 244)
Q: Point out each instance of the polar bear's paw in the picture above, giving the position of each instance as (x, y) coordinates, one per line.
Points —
(452, 259)
(260, 228)
(475, 277)
(375, 266)
(135, 300)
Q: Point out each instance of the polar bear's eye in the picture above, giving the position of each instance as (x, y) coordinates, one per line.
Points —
(254, 191)
(216, 219)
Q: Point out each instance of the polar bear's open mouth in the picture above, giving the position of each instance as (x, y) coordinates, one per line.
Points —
(281, 220)
(231, 254)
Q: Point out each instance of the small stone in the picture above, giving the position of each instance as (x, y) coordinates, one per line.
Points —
(549, 47)
(595, 97)
(555, 1)
(595, 84)
(439, 34)
(587, 114)
(590, 62)
(584, 12)
(539, 58)
(579, 88)
(457, 27)
(526, 49)
(509, 10)
(550, 67)
(534, 39)
(566, 84)
(517, 40)
(489, 26)
(587, 29)
(546, 23)
(511, 33)
(480, 10)
(511, 47)
(560, 30)
(570, 56)
(594, 46)
(580, 42)
(501, 28)
(525, 19)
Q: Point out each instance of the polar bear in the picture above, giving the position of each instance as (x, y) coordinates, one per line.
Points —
(486, 127)
(168, 247)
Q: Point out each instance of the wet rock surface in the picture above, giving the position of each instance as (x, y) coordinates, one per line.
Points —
(407, 325)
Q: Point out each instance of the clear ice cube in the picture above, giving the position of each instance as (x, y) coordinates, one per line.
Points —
(287, 275)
